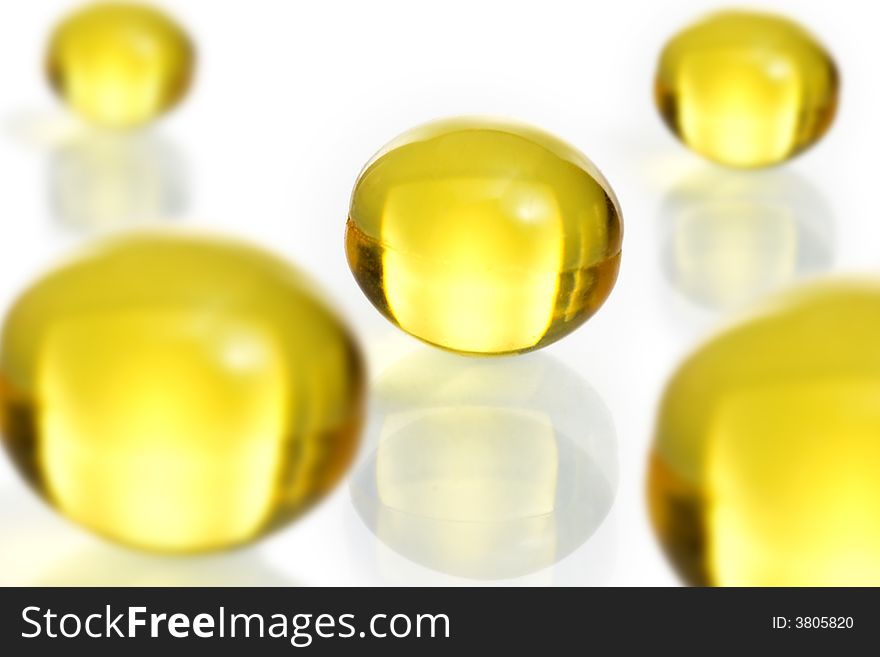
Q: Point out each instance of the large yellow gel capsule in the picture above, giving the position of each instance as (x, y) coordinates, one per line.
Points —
(483, 236)
(765, 466)
(178, 393)
(746, 89)
(120, 64)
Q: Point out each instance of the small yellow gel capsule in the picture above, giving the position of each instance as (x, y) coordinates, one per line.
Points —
(120, 64)
(178, 393)
(746, 89)
(483, 236)
(766, 458)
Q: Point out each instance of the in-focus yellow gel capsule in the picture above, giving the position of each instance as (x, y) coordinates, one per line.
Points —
(178, 393)
(746, 89)
(767, 452)
(120, 64)
(483, 236)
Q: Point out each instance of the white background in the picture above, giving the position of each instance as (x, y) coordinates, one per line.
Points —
(291, 99)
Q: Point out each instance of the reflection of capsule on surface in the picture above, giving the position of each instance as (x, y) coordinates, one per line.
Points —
(104, 180)
(107, 565)
(729, 236)
(40, 549)
(485, 469)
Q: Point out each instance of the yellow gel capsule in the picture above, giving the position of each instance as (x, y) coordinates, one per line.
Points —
(746, 89)
(483, 236)
(767, 452)
(120, 64)
(178, 393)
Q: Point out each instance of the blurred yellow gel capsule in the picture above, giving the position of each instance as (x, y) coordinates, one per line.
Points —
(120, 64)
(746, 89)
(178, 393)
(483, 236)
(766, 458)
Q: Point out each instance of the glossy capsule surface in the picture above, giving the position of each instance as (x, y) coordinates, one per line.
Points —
(746, 89)
(765, 462)
(178, 393)
(483, 236)
(120, 64)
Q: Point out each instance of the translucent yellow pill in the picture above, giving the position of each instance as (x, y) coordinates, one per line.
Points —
(746, 89)
(120, 64)
(178, 393)
(764, 469)
(483, 236)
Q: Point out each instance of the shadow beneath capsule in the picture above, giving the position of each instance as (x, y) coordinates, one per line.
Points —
(40, 548)
(731, 236)
(102, 180)
(485, 468)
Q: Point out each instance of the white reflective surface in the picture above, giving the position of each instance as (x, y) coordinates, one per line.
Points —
(485, 468)
(733, 236)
